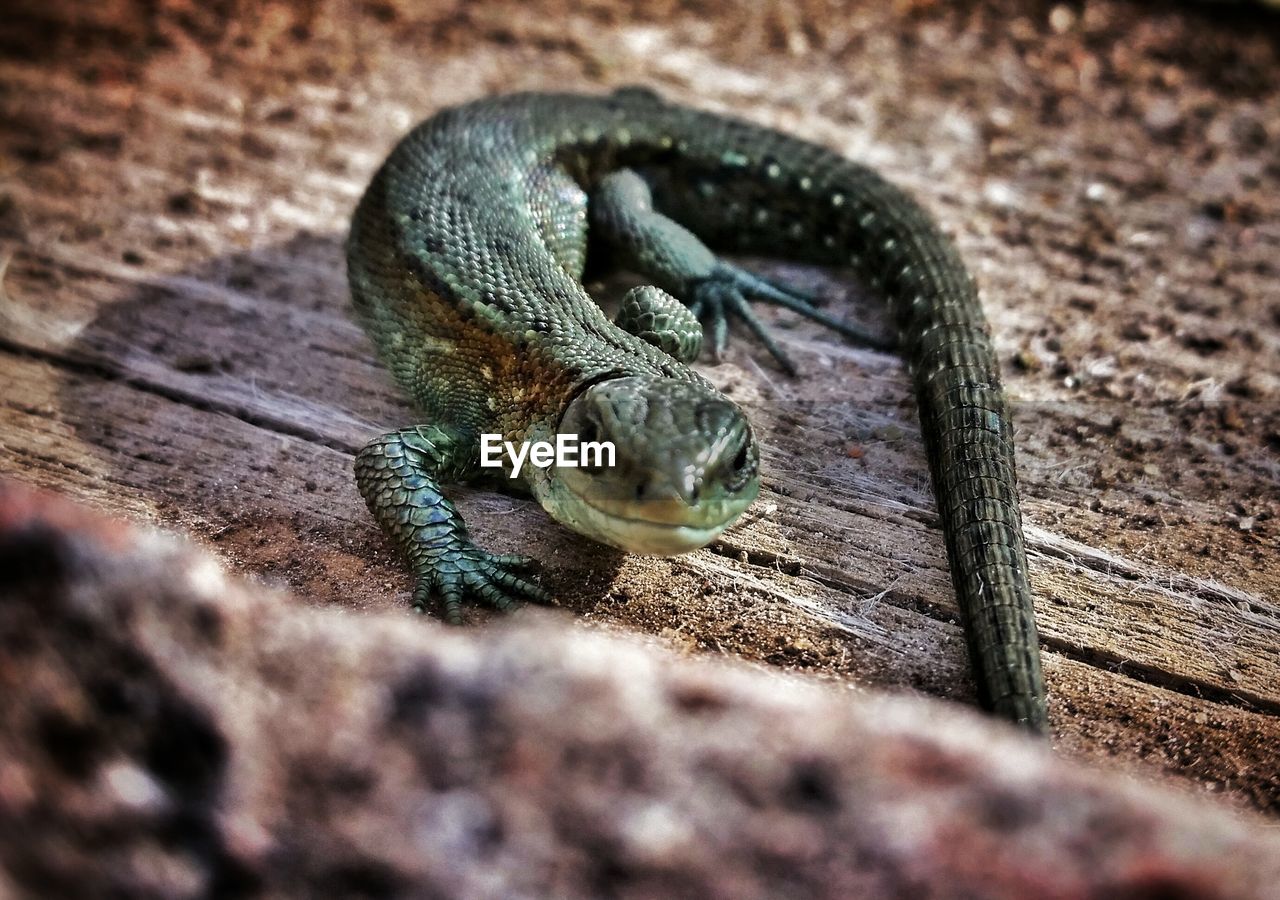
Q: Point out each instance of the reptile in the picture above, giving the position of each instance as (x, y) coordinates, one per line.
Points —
(466, 258)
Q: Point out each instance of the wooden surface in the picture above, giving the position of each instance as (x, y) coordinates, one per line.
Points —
(175, 344)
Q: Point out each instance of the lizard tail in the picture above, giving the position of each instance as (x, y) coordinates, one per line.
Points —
(841, 213)
(967, 432)
(969, 439)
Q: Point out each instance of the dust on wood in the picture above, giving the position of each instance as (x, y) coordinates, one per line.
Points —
(175, 345)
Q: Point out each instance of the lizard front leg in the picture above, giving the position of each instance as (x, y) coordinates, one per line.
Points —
(398, 475)
(653, 315)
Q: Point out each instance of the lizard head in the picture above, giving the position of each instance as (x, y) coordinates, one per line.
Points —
(685, 465)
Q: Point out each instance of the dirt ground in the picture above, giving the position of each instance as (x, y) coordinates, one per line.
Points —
(175, 183)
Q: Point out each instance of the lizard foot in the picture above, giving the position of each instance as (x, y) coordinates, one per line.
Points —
(465, 570)
(725, 293)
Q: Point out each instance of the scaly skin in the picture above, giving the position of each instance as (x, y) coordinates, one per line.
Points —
(466, 257)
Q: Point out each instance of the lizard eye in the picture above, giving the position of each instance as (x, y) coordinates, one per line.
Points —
(742, 467)
(589, 433)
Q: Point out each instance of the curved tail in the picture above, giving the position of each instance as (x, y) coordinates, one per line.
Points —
(969, 439)
(821, 207)
(967, 433)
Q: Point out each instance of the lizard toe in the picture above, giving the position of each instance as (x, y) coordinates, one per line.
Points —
(517, 562)
(488, 591)
(727, 292)
(739, 308)
(765, 288)
(522, 587)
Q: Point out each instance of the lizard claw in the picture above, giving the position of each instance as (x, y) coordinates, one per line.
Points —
(464, 570)
(766, 289)
(726, 292)
(715, 302)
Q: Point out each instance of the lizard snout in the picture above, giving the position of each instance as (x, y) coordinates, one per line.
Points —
(681, 461)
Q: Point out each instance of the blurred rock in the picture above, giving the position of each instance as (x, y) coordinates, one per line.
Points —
(172, 732)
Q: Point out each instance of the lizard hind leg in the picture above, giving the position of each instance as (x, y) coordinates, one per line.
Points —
(648, 242)
(397, 476)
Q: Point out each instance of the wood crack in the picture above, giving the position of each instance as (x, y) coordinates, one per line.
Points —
(98, 369)
(1093, 657)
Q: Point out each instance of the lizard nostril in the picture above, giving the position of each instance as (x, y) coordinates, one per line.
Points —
(642, 488)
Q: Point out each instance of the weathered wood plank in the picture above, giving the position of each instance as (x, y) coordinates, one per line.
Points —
(188, 338)
(156, 454)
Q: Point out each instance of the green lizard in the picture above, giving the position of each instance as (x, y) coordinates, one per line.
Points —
(465, 260)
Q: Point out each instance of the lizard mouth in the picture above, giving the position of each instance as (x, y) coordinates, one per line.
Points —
(637, 528)
(682, 465)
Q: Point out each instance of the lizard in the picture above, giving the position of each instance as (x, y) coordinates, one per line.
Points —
(466, 257)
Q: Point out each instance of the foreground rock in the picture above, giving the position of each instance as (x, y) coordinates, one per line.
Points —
(165, 730)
